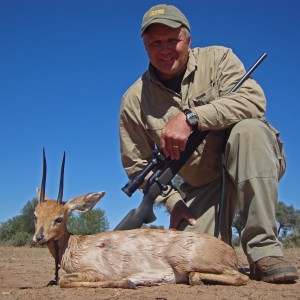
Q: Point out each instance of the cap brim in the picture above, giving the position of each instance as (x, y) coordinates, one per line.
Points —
(166, 22)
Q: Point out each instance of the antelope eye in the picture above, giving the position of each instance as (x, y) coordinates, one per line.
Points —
(58, 220)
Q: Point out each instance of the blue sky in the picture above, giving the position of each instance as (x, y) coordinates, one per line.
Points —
(64, 66)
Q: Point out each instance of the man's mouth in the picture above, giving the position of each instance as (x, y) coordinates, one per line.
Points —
(167, 59)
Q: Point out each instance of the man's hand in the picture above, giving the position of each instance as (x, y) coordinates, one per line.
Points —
(174, 136)
(181, 212)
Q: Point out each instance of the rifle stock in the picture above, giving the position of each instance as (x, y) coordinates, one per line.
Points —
(166, 169)
(137, 217)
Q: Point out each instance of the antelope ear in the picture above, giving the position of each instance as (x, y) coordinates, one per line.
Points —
(84, 202)
(38, 192)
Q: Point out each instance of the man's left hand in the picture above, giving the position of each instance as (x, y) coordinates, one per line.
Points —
(181, 212)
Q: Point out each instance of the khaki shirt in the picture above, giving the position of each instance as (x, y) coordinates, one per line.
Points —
(148, 105)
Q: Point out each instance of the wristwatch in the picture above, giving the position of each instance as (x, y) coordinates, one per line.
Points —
(191, 118)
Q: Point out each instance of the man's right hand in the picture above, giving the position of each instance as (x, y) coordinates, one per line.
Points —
(181, 212)
(174, 136)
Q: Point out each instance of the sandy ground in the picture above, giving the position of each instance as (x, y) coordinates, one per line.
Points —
(25, 272)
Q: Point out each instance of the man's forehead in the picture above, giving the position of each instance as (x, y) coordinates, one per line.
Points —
(161, 29)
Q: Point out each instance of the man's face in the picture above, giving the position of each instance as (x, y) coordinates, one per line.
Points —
(167, 49)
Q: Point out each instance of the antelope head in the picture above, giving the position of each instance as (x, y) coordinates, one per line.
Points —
(50, 216)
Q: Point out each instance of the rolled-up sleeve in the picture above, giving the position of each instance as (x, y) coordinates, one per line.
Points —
(229, 108)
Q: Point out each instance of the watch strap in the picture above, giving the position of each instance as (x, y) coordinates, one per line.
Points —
(191, 118)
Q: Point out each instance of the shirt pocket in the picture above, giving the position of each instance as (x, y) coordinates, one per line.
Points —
(205, 96)
(158, 121)
(155, 123)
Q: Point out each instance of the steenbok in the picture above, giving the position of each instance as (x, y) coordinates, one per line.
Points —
(130, 258)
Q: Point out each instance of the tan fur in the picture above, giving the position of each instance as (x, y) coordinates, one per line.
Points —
(126, 259)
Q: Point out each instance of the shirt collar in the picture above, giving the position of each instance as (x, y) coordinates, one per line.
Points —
(191, 66)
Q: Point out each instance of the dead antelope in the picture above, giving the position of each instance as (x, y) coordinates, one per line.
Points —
(127, 259)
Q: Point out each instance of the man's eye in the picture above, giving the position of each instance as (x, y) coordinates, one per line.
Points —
(154, 44)
(173, 41)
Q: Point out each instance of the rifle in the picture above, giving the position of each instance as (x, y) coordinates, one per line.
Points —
(164, 170)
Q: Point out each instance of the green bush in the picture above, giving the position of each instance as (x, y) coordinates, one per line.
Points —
(90, 222)
(20, 239)
(291, 241)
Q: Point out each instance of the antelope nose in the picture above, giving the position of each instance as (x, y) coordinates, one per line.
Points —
(40, 234)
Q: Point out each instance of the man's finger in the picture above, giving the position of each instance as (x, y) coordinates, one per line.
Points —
(181, 212)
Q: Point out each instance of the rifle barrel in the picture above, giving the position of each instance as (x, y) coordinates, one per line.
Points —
(250, 71)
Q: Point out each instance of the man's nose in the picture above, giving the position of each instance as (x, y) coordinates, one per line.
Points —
(166, 47)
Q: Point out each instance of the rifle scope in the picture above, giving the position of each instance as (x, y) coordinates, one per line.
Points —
(133, 184)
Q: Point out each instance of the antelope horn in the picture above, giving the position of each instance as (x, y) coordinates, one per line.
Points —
(61, 183)
(43, 184)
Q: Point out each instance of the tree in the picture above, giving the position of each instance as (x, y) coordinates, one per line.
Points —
(288, 219)
(89, 222)
(18, 231)
(27, 212)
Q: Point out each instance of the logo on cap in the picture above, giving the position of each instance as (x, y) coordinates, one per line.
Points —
(156, 12)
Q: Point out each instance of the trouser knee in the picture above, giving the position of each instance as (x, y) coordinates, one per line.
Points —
(250, 129)
(252, 151)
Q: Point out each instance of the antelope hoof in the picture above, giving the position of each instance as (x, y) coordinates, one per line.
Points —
(195, 279)
(130, 284)
(52, 282)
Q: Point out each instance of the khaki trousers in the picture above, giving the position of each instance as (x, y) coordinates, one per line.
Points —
(254, 163)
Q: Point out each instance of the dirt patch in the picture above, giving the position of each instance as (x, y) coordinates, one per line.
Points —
(25, 272)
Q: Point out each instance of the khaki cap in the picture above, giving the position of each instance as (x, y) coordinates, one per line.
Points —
(164, 14)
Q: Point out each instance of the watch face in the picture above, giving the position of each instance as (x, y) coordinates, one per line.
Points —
(192, 118)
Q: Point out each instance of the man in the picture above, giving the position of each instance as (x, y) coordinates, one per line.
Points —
(188, 89)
